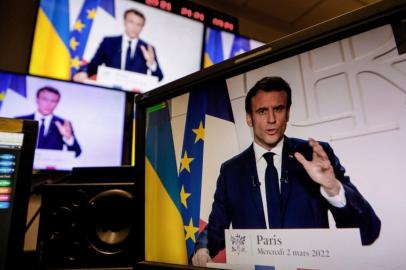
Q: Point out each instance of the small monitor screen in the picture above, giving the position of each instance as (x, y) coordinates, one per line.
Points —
(205, 172)
(120, 44)
(78, 125)
(10, 147)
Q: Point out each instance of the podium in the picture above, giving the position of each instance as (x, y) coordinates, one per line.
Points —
(292, 249)
(54, 159)
(126, 80)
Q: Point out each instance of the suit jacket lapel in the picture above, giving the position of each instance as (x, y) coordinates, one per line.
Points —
(253, 178)
(52, 127)
(116, 58)
(138, 63)
(288, 160)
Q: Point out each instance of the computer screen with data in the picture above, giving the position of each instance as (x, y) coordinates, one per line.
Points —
(10, 147)
(17, 141)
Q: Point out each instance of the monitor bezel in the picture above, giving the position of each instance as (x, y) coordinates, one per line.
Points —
(201, 52)
(41, 175)
(358, 21)
(19, 207)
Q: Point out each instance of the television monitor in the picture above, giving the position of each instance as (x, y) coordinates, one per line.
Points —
(221, 45)
(83, 41)
(17, 144)
(348, 80)
(79, 125)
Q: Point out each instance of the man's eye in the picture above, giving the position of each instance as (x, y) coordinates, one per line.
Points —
(278, 109)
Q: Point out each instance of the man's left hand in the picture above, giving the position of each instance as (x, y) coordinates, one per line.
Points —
(320, 169)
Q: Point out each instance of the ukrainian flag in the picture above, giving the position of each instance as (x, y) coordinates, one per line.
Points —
(50, 51)
(164, 231)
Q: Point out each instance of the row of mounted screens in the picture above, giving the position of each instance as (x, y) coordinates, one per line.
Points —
(89, 41)
(76, 38)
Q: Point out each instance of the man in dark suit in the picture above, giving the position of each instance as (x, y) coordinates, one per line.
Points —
(127, 52)
(54, 132)
(281, 182)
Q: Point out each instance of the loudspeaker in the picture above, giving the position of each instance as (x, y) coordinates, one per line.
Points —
(87, 225)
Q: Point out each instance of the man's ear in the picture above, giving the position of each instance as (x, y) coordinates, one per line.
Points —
(248, 118)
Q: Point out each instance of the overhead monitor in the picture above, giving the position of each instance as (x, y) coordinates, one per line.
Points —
(121, 44)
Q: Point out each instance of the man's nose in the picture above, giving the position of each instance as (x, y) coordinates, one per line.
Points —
(271, 116)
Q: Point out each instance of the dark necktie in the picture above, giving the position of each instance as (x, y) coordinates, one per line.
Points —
(128, 56)
(41, 133)
(273, 196)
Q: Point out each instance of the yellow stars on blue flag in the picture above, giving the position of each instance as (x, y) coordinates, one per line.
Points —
(13, 82)
(91, 13)
(185, 162)
(191, 231)
(75, 62)
(73, 43)
(183, 196)
(191, 182)
(78, 26)
(80, 31)
(199, 132)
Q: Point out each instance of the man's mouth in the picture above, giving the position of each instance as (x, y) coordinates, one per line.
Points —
(271, 131)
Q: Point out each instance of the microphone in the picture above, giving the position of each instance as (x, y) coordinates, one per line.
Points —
(285, 178)
(255, 182)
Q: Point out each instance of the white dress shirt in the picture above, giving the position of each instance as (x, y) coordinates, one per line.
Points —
(337, 201)
(124, 47)
(47, 122)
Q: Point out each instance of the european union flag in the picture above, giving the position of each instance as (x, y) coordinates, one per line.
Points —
(81, 29)
(240, 45)
(13, 82)
(210, 99)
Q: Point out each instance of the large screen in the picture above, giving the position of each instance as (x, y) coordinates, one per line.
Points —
(79, 125)
(200, 160)
(114, 43)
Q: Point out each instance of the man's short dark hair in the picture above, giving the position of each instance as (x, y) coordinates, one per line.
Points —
(136, 12)
(49, 89)
(268, 84)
